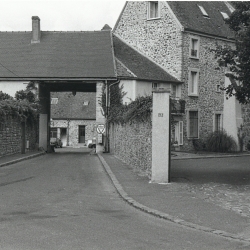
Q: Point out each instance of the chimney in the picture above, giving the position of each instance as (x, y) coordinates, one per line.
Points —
(36, 32)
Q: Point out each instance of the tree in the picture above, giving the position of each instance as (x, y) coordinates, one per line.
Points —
(24, 94)
(238, 59)
(4, 96)
(27, 94)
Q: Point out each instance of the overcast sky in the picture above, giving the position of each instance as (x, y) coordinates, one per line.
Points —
(59, 15)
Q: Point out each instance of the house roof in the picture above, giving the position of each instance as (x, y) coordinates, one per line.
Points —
(192, 19)
(59, 54)
(76, 109)
(132, 64)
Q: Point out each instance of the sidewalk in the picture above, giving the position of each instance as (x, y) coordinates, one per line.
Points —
(14, 158)
(177, 202)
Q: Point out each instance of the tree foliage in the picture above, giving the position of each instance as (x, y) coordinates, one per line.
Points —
(23, 105)
(4, 96)
(238, 59)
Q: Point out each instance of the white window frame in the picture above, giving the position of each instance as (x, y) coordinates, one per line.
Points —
(216, 113)
(178, 132)
(192, 38)
(193, 84)
(188, 123)
(177, 95)
(149, 10)
(54, 100)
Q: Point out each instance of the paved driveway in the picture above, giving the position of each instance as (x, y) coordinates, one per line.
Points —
(223, 181)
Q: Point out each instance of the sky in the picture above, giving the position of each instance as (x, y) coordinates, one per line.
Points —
(59, 15)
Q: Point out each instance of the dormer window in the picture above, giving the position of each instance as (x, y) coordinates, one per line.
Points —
(54, 101)
(203, 11)
(224, 15)
(153, 9)
(194, 48)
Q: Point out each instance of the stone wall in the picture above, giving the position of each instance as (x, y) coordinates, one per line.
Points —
(209, 100)
(160, 39)
(10, 136)
(74, 130)
(132, 143)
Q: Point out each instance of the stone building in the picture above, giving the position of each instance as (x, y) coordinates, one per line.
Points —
(73, 117)
(179, 37)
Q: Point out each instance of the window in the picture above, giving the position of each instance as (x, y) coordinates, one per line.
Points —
(53, 133)
(85, 103)
(217, 122)
(54, 100)
(194, 47)
(224, 15)
(178, 133)
(193, 82)
(154, 85)
(173, 90)
(193, 124)
(153, 9)
(203, 11)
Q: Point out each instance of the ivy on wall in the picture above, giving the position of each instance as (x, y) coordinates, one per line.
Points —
(138, 110)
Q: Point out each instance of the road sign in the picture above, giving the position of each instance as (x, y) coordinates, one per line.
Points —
(100, 128)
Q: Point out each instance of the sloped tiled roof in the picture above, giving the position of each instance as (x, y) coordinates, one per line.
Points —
(131, 63)
(76, 109)
(190, 16)
(59, 54)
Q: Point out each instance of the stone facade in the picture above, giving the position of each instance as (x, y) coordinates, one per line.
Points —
(132, 143)
(10, 136)
(73, 127)
(151, 37)
(164, 40)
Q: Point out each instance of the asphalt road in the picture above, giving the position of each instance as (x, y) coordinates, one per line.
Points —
(65, 200)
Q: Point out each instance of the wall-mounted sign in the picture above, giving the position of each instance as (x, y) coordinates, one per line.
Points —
(99, 138)
(160, 114)
(100, 128)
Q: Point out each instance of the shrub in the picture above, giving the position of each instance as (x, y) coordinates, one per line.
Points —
(199, 145)
(248, 145)
(220, 141)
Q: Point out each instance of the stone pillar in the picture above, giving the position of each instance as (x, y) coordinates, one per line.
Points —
(161, 137)
(100, 119)
(44, 119)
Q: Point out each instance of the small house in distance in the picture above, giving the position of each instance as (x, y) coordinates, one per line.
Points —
(73, 117)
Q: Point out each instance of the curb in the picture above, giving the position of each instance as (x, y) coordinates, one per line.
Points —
(21, 159)
(162, 215)
(205, 157)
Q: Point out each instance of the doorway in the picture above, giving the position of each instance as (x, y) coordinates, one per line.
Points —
(82, 134)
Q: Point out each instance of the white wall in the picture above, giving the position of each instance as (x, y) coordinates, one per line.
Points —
(135, 88)
(129, 88)
(12, 87)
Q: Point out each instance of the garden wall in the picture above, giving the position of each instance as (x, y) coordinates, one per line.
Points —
(10, 136)
(132, 143)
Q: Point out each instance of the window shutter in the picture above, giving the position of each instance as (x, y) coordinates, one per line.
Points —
(180, 132)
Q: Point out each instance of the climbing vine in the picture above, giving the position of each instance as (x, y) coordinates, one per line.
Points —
(138, 110)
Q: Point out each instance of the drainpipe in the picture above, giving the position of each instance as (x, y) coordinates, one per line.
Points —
(107, 110)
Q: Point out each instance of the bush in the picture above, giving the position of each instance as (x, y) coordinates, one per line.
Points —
(248, 145)
(220, 141)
